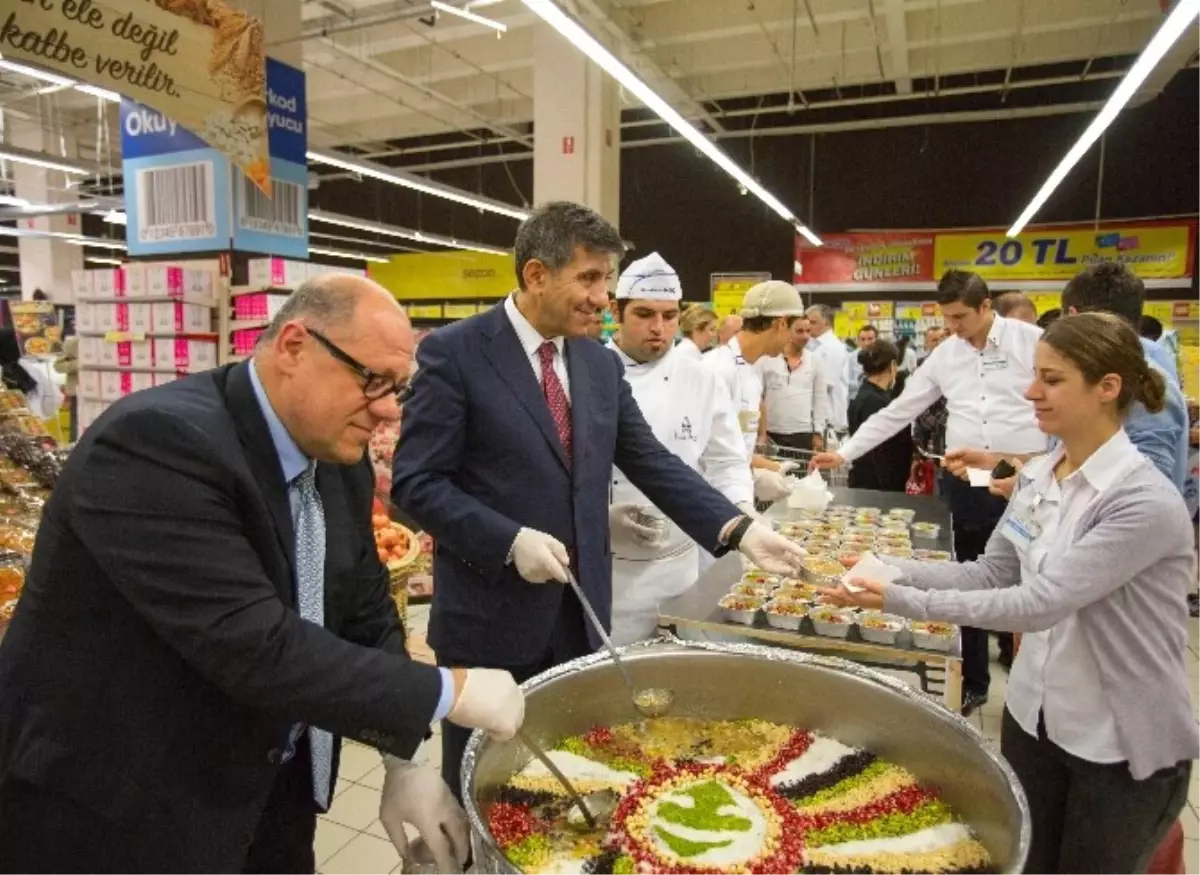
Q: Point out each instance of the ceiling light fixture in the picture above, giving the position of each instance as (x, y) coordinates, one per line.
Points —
(96, 259)
(74, 239)
(469, 16)
(354, 256)
(9, 200)
(550, 12)
(403, 233)
(60, 81)
(1172, 29)
(403, 178)
(39, 159)
(113, 217)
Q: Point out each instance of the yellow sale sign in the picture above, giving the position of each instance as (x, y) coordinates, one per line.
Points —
(1152, 251)
(729, 289)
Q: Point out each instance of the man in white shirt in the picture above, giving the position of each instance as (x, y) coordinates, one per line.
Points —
(983, 372)
(653, 559)
(795, 394)
(832, 355)
(867, 335)
(768, 312)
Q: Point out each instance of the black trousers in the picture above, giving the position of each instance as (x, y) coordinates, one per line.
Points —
(1090, 817)
(799, 441)
(975, 512)
(45, 831)
(568, 641)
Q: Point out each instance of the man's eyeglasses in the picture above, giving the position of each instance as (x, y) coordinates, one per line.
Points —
(375, 385)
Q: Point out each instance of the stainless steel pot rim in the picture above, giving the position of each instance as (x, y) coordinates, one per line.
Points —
(668, 642)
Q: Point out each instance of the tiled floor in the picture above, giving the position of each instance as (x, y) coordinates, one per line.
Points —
(350, 838)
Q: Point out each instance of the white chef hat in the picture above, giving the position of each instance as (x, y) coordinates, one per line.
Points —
(650, 279)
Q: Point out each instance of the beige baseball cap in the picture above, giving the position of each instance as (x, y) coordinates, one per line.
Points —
(772, 298)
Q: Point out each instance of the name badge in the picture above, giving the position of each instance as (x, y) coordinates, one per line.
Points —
(748, 420)
(1021, 529)
(994, 361)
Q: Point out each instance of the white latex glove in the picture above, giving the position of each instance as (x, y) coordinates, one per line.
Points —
(418, 795)
(747, 508)
(770, 485)
(624, 528)
(789, 467)
(771, 551)
(490, 700)
(539, 557)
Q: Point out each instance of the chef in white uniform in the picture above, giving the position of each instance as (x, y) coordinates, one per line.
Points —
(653, 560)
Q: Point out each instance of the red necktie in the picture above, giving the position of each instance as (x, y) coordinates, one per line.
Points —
(556, 396)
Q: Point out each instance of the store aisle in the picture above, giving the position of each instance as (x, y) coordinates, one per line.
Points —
(351, 840)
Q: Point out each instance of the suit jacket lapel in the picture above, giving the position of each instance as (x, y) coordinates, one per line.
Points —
(503, 349)
(264, 460)
(581, 398)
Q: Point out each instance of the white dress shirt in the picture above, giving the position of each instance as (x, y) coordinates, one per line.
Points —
(984, 391)
(797, 400)
(1055, 672)
(832, 354)
(531, 341)
(742, 385)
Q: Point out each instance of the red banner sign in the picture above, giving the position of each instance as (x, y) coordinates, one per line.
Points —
(905, 257)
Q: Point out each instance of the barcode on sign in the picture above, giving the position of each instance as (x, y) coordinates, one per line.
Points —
(176, 203)
(281, 213)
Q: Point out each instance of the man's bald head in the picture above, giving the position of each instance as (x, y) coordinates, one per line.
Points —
(729, 326)
(334, 337)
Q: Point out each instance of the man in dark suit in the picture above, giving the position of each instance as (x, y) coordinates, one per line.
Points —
(510, 435)
(205, 614)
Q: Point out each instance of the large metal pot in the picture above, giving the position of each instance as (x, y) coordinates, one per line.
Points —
(854, 704)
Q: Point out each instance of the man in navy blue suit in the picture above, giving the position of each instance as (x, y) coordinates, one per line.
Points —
(507, 446)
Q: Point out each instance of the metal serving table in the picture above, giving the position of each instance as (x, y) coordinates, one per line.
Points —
(939, 673)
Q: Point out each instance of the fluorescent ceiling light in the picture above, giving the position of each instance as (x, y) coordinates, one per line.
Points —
(396, 176)
(8, 200)
(74, 239)
(96, 259)
(114, 217)
(403, 233)
(60, 81)
(39, 159)
(1177, 22)
(354, 256)
(586, 43)
(469, 16)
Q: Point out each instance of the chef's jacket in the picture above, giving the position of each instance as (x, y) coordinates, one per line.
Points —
(688, 413)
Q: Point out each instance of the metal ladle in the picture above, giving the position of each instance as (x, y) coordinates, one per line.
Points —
(595, 809)
(650, 702)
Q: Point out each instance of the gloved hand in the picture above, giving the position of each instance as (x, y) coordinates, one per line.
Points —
(771, 551)
(747, 508)
(539, 557)
(789, 467)
(770, 485)
(418, 795)
(489, 699)
(624, 528)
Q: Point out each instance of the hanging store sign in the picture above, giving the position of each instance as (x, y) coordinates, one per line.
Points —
(200, 64)
(277, 224)
(1152, 251)
(727, 290)
(455, 274)
(182, 195)
(865, 258)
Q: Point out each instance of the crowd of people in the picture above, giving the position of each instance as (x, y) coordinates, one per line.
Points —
(206, 614)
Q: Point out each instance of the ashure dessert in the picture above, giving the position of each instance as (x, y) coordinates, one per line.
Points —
(703, 796)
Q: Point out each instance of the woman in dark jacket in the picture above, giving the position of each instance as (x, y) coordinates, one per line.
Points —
(885, 467)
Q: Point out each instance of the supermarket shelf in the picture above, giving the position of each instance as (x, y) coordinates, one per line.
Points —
(248, 324)
(238, 291)
(125, 336)
(132, 370)
(199, 300)
(233, 359)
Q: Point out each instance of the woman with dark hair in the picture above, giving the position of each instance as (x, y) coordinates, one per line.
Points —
(1091, 562)
(885, 467)
(11, 371)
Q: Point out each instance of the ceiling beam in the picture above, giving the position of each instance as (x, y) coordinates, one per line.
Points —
(897, 44)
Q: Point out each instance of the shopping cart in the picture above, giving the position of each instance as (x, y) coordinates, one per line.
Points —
(776, 453)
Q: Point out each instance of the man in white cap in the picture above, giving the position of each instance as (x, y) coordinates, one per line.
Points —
(653, 560)
(768, 311)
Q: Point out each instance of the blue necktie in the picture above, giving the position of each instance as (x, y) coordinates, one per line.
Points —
(310, 583)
